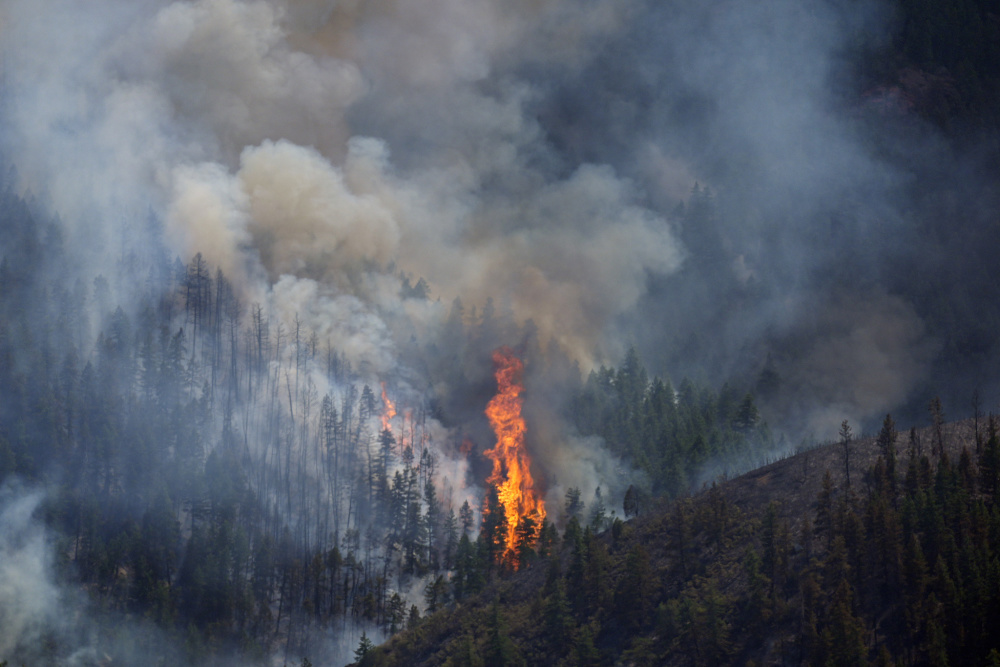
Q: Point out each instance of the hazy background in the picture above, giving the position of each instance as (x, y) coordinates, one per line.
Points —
(542, 154)
(747, 192)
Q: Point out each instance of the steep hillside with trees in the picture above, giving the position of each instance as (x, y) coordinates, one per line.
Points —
(671, 435)
(211, 481)
(199, 481)
(882, 551)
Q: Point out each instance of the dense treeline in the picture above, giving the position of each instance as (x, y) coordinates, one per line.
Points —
(224, 475)
(902, 567)
(201, 479)
(669, 434)
(227, 477)
(957, 44)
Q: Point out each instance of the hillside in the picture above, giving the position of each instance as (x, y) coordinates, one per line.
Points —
(784, 565)
(328, 324)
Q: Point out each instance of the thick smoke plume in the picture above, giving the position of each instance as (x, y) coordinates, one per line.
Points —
(534, 155)
(316, 153)
(699, 180)
(233, 121)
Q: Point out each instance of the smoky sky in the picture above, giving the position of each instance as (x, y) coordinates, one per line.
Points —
(541, 153)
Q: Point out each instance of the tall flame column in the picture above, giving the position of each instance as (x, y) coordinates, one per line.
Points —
(511, 465)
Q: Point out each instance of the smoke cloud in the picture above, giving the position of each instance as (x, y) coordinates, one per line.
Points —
(540, 157)
(28, 597)
(265, 135)
(700, 180)
(47, 622)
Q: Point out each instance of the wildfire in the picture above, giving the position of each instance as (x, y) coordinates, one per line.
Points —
(388, 412)
(511, 464)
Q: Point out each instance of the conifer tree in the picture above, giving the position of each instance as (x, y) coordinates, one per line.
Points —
(363, 652)
(500, 650)
(846, 436)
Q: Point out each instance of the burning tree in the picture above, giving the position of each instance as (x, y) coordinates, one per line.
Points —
(523, 509)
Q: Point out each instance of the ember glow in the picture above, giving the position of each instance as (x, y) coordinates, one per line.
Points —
(388, 411)
(511, 464)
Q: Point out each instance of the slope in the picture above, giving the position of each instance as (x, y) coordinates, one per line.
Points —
(789, 564)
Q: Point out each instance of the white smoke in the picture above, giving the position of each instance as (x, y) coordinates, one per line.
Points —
(233, 121)
(29, 599)
(315, 151)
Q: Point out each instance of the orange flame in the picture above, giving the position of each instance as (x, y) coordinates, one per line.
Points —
(389, 410)
(511, 464)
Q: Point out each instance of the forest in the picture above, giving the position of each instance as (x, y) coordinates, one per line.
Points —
(233, 433)
(200, 481)
(800, 562)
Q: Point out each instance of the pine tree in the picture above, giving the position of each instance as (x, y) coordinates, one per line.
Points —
(436, 594)
(364, 650)
(467, 518)
(989, 462)
(557, 618)
(636, 590)
(413, 620)
(846, 436)
(937, 423)
(500, 650)
(887, 438)
(747, 416)
(586, 653)
(598, 512)
(465, 655)
(395, 613)
(526, 535)
(493, 534)
(450, 539)
(631, 503)
(845, 633)
(574, 506)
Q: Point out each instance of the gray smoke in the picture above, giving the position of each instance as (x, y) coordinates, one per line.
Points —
(541, 154)
(536, 159)
(316, 151)
(29, 599)
(247, 127)
(43, 621)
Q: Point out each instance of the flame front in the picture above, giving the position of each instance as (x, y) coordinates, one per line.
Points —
(511, 464)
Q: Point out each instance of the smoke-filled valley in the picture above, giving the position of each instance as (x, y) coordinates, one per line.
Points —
(267, 265)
